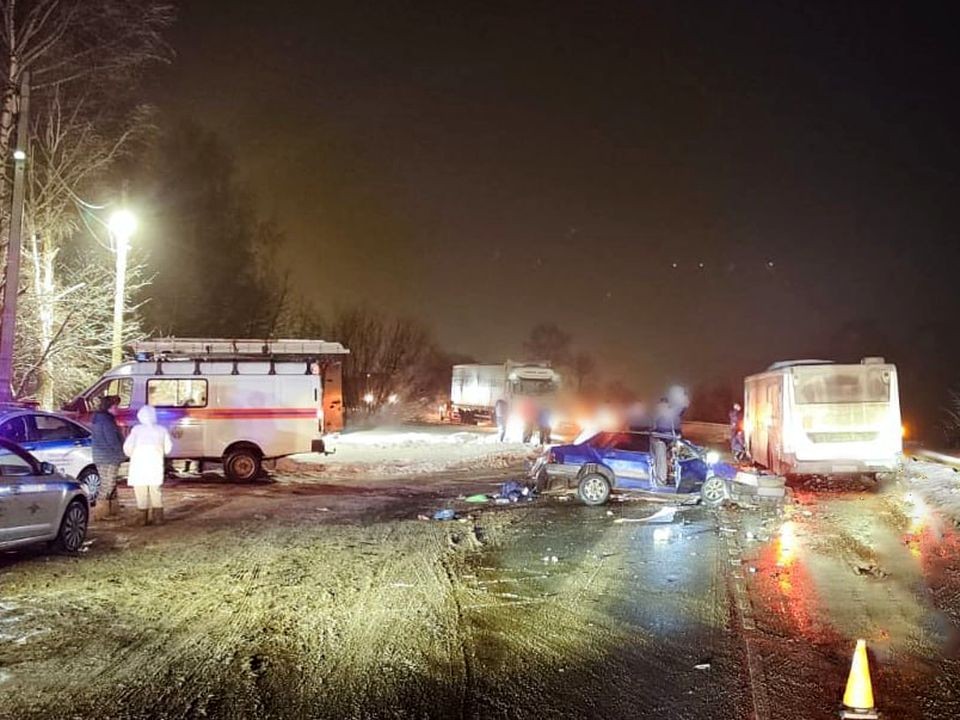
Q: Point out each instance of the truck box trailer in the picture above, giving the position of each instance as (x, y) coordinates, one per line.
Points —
(475, 389)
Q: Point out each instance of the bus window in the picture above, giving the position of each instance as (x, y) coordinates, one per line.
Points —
(843, 386)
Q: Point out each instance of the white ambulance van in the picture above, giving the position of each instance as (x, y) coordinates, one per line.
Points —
(239, 402)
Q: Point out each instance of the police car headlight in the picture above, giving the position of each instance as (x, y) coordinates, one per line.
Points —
(713, 457)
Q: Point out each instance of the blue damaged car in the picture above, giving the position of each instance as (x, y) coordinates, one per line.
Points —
(623, 461)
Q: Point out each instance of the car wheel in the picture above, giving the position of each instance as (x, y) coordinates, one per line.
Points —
(542, 480)
(594, 489)
(91, 478)
(73, 527)
(713, 491)
(242, 464)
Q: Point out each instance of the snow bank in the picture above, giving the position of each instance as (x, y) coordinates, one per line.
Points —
(938, 485)
(404, 451)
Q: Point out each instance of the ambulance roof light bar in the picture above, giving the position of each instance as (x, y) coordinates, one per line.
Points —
(212, 348)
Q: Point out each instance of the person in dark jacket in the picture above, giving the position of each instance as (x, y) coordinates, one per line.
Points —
(500, 412)
(543, 422)
(108, 454)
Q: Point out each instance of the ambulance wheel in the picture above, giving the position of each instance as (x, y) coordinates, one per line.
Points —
(594, 489)
(242, 464)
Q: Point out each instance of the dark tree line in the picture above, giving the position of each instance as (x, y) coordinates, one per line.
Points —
(211, 254)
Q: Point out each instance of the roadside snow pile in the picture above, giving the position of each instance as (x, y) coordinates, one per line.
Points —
(385, 438)
(404, 451)
(938, 485)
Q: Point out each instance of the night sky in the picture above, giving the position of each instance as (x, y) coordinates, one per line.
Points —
(490, 165)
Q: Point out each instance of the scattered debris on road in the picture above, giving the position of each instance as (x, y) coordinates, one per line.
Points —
(664, 516)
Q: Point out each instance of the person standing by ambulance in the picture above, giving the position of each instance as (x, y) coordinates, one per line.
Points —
(107, 449)
(146, 446)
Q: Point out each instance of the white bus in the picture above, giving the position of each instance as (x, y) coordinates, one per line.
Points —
(810, 417)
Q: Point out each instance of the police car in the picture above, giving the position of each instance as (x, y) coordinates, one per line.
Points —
(53, 439)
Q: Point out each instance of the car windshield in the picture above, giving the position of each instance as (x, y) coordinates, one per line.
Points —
(533, 387)
(688, 451)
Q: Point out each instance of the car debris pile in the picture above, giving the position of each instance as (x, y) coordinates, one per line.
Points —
(510, 492)
(751, 486)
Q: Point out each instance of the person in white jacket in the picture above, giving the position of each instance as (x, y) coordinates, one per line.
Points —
(146, 446)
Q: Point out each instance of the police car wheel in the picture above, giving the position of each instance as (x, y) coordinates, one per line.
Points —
(713, 491)
(594, 489)
(73, 528)
(91, 478)
(242, 464)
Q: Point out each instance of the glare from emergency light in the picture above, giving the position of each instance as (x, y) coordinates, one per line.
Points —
(919, 514)
(661, 535)
(678, 397)
(920, 519)
(19, 155)
(605, 418)
(393, 399)
(514, 431)
(123, 224)
(787, 544)
(903, 431)
(713, 457)
(588, 430)
(368, 398)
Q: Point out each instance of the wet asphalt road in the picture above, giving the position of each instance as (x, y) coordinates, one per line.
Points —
(853, 560)
(334, 600)
(622, 619)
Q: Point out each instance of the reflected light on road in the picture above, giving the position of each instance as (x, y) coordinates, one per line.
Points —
(787, 545)
(661, 535)
(919, 521)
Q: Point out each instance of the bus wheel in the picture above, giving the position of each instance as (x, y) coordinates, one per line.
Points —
(242, 464)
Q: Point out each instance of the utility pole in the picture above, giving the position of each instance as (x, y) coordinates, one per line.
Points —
(11, 291)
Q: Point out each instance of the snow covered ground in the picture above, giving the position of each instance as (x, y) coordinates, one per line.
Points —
(406, 450)
(937, 484)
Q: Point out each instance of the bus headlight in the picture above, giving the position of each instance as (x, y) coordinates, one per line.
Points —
(713, 457)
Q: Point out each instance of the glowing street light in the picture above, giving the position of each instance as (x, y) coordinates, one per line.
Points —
(368, 398)
(122, 224)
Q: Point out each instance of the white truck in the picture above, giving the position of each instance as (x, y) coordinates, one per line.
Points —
(807, 417)
(239, 402)
(475, 389)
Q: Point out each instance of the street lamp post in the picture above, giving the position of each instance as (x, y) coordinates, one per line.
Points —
(11, 289)
(123, 224)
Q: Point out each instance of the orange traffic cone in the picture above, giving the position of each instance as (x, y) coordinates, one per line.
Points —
(858, 697)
